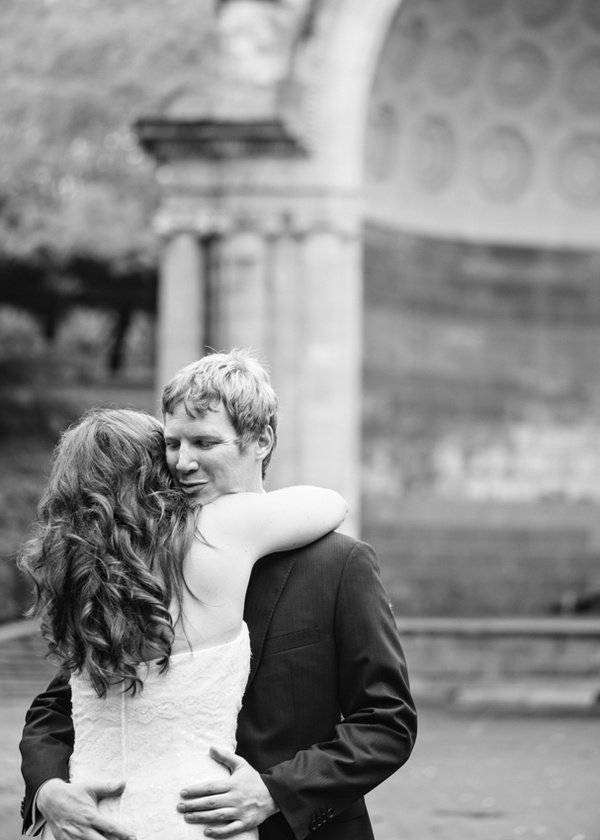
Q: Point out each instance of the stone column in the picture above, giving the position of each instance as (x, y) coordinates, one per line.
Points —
(238, 291)
(331, 398)
(316, 349)
(181, 300)
(285, 324)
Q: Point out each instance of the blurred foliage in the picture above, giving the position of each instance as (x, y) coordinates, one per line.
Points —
(23, 471)
(76, 74)
(50, 288)
(27, 410)
(77, 196)
(32, 367)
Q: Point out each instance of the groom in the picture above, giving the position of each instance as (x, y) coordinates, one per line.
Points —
(327, 714)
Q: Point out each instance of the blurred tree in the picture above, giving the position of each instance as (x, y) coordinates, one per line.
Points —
(76, 193)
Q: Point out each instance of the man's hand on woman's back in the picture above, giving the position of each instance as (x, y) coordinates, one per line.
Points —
(71, 810)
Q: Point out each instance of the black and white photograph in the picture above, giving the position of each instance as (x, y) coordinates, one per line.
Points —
(300, 419)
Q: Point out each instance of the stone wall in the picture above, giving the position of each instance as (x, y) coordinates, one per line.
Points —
(481, 467)
(482, 306)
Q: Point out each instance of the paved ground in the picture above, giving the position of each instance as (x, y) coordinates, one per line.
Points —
(484, 777)
(472, 776)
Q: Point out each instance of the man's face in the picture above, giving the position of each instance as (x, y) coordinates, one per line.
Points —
(204, 456)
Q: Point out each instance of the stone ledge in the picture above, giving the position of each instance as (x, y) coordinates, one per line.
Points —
(522, 696)
(169, 138)
(18, 629)
(500, 626)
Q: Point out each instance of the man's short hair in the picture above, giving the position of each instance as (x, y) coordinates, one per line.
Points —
(237, 381)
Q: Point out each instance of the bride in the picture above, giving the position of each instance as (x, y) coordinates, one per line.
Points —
(140, 589)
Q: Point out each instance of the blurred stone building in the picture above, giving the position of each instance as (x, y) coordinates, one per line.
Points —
(397, 204)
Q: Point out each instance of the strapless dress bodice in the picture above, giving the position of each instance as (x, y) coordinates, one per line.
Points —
(158, 739)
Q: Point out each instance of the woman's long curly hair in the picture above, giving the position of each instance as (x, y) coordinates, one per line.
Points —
(106, 556)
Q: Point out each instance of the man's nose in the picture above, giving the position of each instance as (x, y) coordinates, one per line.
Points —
(186, 463)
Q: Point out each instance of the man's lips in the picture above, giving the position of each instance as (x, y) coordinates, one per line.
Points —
(192, 484)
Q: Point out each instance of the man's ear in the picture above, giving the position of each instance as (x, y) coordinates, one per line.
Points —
(265, 442)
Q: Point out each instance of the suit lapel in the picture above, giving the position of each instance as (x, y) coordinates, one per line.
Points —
(268, 578)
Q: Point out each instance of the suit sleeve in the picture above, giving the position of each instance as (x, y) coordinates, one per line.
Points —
(378, 727)
(47, 741)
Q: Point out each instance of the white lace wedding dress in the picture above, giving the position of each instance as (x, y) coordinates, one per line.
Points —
(158, 740)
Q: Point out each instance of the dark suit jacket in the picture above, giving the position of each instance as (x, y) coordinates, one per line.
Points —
(327, 713)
